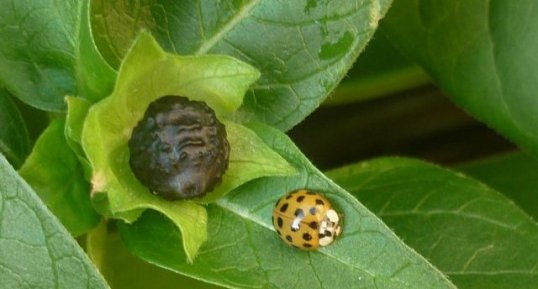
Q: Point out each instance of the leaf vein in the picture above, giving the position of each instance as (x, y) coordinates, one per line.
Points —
(444, 212)
(242, 14)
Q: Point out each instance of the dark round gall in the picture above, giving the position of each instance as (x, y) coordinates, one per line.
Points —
(179, 149)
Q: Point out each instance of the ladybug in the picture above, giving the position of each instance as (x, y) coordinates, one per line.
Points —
(306, 220)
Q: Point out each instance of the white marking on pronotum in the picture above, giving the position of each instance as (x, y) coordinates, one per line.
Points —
(332, 216)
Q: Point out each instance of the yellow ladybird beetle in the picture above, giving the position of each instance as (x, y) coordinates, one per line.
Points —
(306, 220)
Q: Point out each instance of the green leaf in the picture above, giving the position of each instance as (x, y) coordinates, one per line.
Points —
(122, 270)
(303, 48)
(77, 110)
(149, 73)
(116, 24)
(379, 71)
(515, 175)
(55, 174)
(250, 158)
(50, 53)
(481, 53)
(14, 140)
(476, 236)
(36, 120)
(243, 250)
(36, 251)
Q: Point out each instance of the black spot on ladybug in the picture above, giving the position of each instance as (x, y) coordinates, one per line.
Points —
(279, 222)
(321, 235)
(179, 149)
(299, 213)
(300, 199)
(312, 211)
(328, 234)
(284, 208)
(310, 193)
(306, 245)
(313, 225)
(278, 232)
(319, 202)
(288, 237)
(307, 237)
(288, 197)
